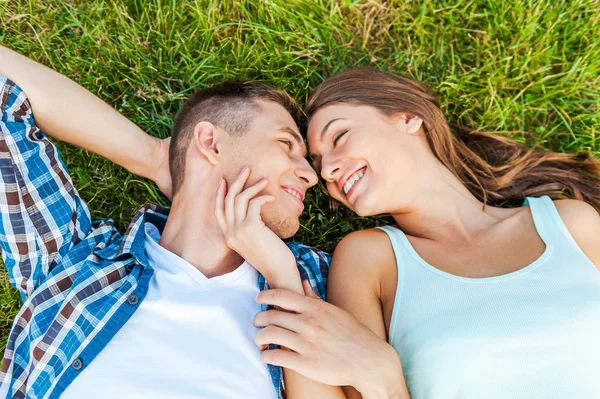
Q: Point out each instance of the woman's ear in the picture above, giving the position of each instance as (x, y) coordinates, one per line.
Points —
(413, 123)
(207, 139)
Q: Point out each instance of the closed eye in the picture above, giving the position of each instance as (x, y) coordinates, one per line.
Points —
(339, 136)
(287, 142)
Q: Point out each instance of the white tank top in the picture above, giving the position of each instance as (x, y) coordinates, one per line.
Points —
(533, 333)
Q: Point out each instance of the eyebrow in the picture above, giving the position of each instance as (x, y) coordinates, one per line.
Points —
(327, 127)
(295, 135)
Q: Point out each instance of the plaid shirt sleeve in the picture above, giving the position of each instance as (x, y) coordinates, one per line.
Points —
(313, 266)
(41, 213)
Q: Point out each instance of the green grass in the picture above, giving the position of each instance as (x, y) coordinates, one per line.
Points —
(528, 68)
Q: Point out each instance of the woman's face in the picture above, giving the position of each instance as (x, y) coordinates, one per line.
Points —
(371, 162)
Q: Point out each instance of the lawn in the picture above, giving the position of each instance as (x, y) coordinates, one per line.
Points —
(530, 69)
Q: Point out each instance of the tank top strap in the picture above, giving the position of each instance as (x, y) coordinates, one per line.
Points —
(549, 223)
(396, 240)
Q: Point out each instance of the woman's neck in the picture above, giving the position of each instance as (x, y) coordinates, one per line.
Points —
(447, 212)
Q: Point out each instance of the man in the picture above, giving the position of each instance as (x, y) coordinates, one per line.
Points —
(167, 308)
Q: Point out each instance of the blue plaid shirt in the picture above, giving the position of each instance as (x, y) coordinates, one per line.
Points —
(80, 280)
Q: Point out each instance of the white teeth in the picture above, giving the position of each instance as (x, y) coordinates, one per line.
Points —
(295, 194)
(353, 179)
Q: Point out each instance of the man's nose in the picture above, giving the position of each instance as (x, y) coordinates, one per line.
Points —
(307, 174)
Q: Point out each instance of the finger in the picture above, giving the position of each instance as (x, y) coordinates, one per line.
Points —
(308, 291)
(286, 299)
(235, 188)
(256, 206)
(278, 318)
(220, 205)
(281, 357)
(279, 336)
(243, 199)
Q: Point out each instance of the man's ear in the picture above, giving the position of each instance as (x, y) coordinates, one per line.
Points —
(208, 140)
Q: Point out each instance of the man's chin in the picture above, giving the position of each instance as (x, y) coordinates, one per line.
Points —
(284, 227)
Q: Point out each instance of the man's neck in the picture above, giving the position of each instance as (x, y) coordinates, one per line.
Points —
(192, 233)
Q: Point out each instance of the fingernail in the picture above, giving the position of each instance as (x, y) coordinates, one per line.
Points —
(262, 181)
(245, 168)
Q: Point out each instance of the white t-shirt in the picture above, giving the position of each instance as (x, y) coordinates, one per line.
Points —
(192, 337)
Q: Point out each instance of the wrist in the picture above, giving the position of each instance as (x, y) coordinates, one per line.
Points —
(145, 161)
(285, 275)
(154, 164)
(386, 379)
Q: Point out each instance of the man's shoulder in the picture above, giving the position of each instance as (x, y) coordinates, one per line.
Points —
(305, 253)
(313, 266)
(132, 241)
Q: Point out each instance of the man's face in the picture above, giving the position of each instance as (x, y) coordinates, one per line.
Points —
(274, 149)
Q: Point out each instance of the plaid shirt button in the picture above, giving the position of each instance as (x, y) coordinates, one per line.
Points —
(133, 299)
(77, 364)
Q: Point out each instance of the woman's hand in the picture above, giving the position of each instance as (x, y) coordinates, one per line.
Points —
(327, 344)
(238, 215)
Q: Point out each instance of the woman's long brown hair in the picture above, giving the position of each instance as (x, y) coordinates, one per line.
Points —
(496, 169)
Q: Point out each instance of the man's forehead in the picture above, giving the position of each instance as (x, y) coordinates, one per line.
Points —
(276, 112)
(274, 117)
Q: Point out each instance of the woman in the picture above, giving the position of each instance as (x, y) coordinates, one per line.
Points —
(479, 301)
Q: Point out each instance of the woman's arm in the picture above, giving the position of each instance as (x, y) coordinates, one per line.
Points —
(329, 345)
(361, 261)
(346, 344)
(68, 112)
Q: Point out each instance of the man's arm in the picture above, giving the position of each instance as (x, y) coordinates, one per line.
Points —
(41, 214)
(68, 112)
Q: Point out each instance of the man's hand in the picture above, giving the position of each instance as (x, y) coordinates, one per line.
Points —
(327, 345)
(238, 215)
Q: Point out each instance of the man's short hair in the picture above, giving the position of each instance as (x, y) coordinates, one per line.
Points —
(230, 106)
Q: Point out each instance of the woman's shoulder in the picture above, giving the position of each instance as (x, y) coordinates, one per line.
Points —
(363, 252)
(365, 243)
(580, 217)
(362, 277)
(582, 220)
